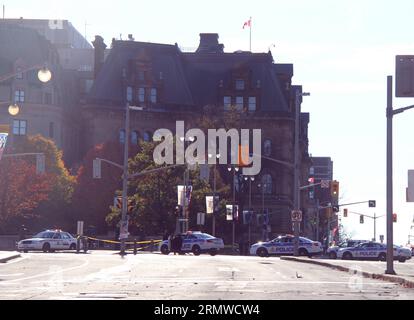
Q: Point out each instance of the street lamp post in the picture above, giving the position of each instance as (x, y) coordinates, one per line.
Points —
(235, 170)
(390, 113)
(296, 185)
(124, 222)
(251, 179)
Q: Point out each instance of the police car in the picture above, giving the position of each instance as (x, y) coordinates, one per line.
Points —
(48, 241)
(373, 251)
(332, 251)
(197, 243)
(284, 245)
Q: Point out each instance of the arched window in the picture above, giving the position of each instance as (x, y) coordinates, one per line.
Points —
(122, 136)
(267, 183)
(147, 136)
(267, 148)
(134, 137)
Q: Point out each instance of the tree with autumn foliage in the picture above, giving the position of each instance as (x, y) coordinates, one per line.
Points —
(21, 192)
(93, 198)
(55, 210)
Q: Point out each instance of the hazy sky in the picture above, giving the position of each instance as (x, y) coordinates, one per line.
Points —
(342, 52)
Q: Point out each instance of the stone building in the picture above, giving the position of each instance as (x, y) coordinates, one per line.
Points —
(170, 85)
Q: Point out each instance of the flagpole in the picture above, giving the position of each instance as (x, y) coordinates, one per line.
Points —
(250, 34)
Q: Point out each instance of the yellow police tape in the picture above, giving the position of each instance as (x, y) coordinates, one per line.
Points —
(118, 242)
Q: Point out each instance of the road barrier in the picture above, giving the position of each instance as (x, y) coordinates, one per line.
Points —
(150, 243)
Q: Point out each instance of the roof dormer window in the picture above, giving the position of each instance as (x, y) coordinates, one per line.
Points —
(240, 84)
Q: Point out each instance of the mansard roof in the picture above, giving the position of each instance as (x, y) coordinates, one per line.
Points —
(191, 79)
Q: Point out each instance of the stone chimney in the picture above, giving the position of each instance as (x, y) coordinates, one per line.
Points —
(209, 43)
(100, 47)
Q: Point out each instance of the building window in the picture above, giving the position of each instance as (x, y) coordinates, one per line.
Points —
(267, 148)
(239, 103)
(134, 137)
(141, 75)
(19, 73)
(252, 103)
(129, 94)
(267, 183)
(141, 95)
(19, 96)
(51, 130)
(227, 103)
(153, 95)
(47, 98)
(147, 136)
(122, 136)
(312, 171)
(239, 84)
(19, 127)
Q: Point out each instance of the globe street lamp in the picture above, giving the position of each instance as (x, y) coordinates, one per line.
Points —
(44, 75)
(14, 109)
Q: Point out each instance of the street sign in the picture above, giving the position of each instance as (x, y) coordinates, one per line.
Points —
(40, 163)
(229, 212)
(372, 203)
(80, 228)
(97, 169)
(123, 230)
(210, 204)
(325, 184)
(201, 218)
(404, 76)
(410, 189)
(296, 216)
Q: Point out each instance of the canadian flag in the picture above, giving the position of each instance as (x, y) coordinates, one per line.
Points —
(248, 23)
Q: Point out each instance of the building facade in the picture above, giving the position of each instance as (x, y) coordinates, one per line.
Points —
(170, 85)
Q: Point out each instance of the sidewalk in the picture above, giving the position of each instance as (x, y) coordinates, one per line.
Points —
(368, 269)
(8, 255)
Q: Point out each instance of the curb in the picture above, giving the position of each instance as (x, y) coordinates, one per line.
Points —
(395, 279)
(4, 260)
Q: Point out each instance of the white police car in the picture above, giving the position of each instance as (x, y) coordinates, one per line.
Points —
(284, 245)
(197, 243)
(48, 241)
(373, 251)
(332, 251)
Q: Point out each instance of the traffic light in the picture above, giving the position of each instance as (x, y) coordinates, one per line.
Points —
(335, 189)
(361, 219)
(394, 217)
(345, 213)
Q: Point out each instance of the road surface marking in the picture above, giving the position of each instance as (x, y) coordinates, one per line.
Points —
(86, 262)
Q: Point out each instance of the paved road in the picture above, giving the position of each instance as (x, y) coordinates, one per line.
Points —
(104, 275)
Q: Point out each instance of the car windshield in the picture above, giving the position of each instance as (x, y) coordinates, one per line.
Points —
(44, 235)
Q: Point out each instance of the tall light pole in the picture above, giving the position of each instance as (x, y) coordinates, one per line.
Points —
(296, 175)
(251, 179)
(124, 222)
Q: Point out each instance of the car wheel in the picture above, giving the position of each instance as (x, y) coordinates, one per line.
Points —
(262, 252)
(212, 252)
(196, 250)
(303, 252)
(72, 246)
(164, 249)
(347, 256)
(382, 257)
(401, 259)
(332, 255)
(46, 247)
